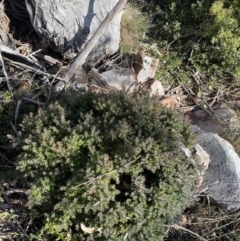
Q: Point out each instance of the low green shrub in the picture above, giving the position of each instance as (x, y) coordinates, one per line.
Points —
(6, 116)
(199, 45)
(112, 162)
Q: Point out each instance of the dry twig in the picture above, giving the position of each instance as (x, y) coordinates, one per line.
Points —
(81, 58)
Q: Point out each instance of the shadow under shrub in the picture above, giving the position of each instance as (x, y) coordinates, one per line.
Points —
(109, 161)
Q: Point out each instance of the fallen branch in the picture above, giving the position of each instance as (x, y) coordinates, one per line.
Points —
(34, 101)
(186, 230)
(19, 58)
(98, 79)
(5, 74)
(16, 190)
(81, 58)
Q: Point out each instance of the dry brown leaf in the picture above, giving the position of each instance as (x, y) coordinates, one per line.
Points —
(170, 102)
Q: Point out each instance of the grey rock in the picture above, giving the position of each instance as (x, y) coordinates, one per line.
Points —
(70, 24)
(200, 160)
(221, 181)
(203, 160)
(208, 123)
(121, 79)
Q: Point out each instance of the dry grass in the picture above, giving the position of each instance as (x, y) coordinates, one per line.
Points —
(205, 222)
(134, 24)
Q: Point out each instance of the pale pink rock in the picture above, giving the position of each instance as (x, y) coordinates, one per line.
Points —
(157, 89)
(145, 67)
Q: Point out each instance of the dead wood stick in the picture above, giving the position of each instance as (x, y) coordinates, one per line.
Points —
(16, 190)
(13, 55)
(81, 58)
(7, 235)
(99, 80)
